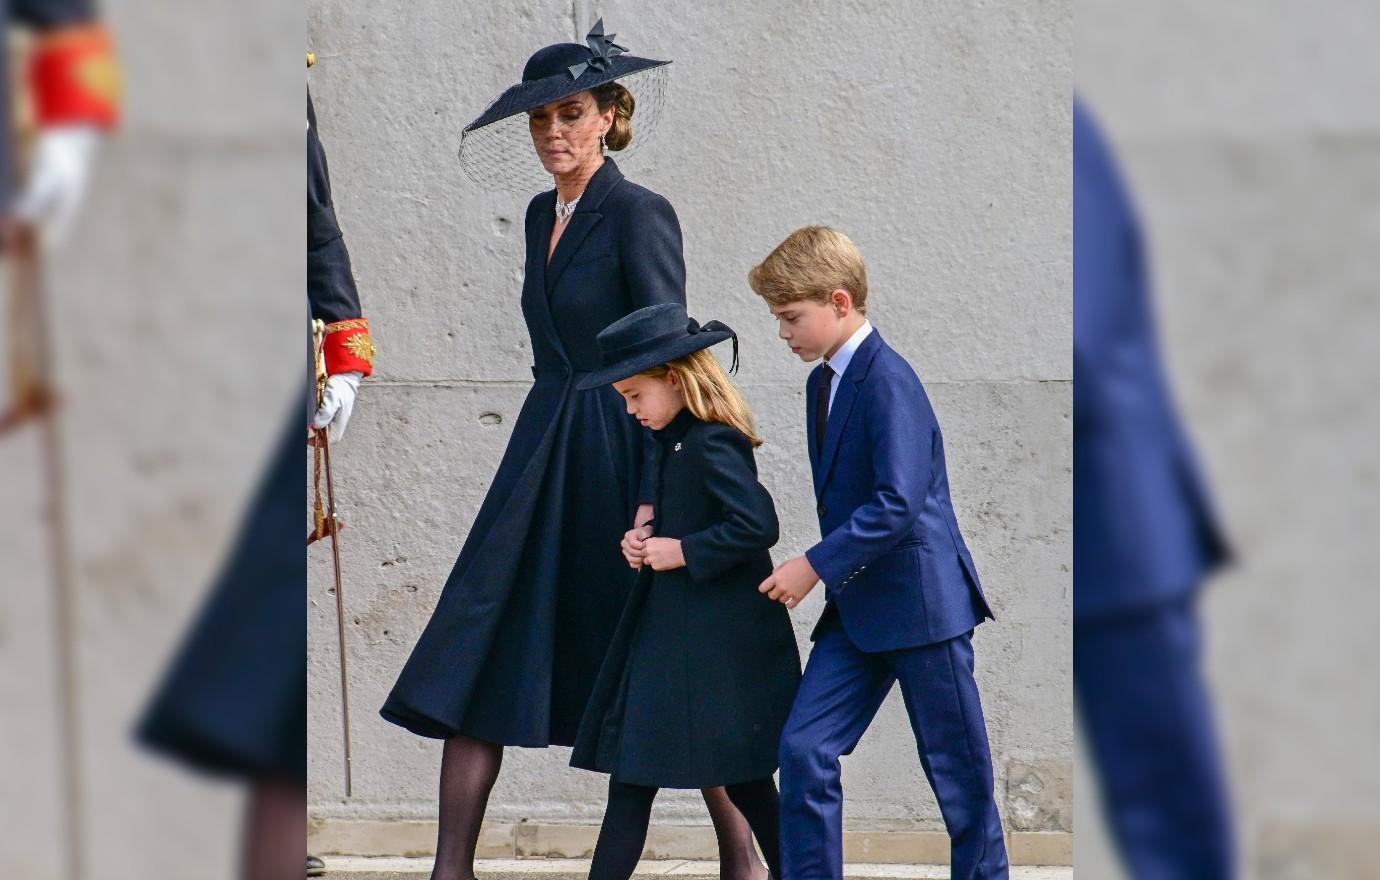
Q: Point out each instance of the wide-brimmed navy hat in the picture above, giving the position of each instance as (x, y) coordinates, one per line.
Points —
(562, 70)
(650, 337)
(494, 141)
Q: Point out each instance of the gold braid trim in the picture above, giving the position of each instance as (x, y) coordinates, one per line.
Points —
(351, 324)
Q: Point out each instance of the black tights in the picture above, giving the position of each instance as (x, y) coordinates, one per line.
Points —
(629, 810)
(469, 768)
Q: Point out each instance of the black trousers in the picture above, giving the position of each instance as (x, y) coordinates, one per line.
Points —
(629, 810)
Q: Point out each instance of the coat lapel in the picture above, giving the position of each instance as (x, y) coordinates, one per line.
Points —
(585, 218)
(543, 241)
(842, 407)
(534, 288)
(838, 417)
(811, 442)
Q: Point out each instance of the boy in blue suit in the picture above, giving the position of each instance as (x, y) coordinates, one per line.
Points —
(1145, 538)
(901, 592)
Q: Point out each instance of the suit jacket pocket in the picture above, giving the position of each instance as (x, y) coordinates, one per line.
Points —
(891, 572)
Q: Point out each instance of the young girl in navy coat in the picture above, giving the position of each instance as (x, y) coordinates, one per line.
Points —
(703, 669)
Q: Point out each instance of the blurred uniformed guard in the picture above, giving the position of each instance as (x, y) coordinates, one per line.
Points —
(234, 700)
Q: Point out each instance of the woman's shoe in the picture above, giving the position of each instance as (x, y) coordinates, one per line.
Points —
(315, 867)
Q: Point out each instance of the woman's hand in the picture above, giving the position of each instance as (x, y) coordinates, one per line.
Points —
(635, 546)
(663, 554)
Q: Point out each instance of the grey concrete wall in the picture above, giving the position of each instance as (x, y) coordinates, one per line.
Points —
(935, 134)
(1251, 137)
(177, 308)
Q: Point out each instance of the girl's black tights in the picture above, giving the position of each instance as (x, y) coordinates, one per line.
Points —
(629, 810)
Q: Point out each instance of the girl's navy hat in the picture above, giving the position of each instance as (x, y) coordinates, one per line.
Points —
(496, 149)
(650, 337)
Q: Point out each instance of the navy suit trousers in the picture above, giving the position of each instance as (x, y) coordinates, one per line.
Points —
(1146, 712)
(841, 692)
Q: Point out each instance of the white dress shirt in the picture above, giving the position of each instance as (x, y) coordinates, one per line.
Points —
(844, 356)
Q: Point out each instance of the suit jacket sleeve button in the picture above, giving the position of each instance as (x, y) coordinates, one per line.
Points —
(821, 509)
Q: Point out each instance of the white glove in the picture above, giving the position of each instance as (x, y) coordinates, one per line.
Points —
(337, 402)
(56, 186)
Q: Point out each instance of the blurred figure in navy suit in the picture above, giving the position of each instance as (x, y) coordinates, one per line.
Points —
(1145, 539)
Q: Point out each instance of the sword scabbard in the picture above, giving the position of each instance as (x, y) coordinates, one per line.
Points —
(332, 529)
(327, 523)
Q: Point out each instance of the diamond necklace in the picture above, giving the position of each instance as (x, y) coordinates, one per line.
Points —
(565, 209)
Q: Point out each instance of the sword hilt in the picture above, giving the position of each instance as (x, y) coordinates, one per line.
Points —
(318, 340)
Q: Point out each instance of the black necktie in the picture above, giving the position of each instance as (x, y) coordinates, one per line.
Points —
(822, 406)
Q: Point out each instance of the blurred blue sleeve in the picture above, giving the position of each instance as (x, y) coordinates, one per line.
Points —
(1144, 530)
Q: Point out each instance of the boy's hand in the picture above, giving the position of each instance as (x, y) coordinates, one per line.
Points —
(791, 582)
(663, 554)
(635, 546)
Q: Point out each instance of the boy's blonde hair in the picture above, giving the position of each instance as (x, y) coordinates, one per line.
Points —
(810, 264)
(709, 395)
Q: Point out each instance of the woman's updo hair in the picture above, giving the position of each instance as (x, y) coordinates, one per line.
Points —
(613, 94)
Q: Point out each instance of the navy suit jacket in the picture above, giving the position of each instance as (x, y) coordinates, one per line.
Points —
(1143, 528)
(893, 562)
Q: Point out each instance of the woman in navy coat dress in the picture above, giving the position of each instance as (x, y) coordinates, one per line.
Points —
(512, 650)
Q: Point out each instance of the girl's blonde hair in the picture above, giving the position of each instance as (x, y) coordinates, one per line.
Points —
(709, 395)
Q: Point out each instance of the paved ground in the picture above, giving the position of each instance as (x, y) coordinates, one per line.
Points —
(357, 868)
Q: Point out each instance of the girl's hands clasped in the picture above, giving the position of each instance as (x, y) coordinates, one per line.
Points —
(663, 554)
(634, 546)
